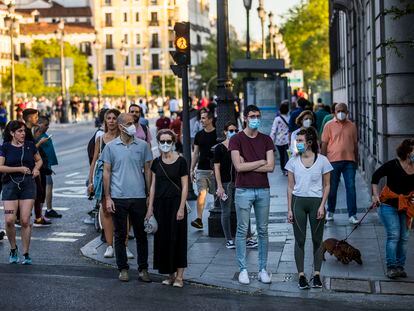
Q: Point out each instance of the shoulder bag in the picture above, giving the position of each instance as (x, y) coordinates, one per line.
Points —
(176, 186)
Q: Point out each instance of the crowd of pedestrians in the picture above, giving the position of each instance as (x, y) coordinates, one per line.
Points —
(134, 189)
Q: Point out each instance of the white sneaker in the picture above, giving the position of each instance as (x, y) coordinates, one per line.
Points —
(129, 254)
(353, 220)
(329, 216)
(244, 277)
(264, 277)
(109, 253)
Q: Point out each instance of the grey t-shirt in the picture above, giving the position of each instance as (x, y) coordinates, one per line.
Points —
(127, 163)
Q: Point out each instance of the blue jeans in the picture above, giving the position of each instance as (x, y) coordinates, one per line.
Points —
(245, 198)
(397, 235)
(348, 170)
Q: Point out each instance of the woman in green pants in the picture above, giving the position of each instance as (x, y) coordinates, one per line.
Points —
(308, 189)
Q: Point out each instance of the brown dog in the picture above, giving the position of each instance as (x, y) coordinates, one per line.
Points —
(342, 250)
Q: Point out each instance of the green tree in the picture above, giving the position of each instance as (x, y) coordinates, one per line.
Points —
(156, 86)
(115, 87)
(83, 84)
(306, 33)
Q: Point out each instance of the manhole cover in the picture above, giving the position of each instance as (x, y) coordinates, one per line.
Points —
(397, 288)
(351, 286)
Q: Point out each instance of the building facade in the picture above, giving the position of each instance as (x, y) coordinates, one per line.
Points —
(372, 69)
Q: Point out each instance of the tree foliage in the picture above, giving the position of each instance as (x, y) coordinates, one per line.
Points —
(306, 33)
(156, 86)
(115, 87)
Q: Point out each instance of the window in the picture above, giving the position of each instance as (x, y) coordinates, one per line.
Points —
(137, 17)
(109, 62)
(126, 60)
(138, 61)
(154, 2)
(107, 2)
(138, 38)
(36, 18)
(126, 38)
(23, 50)
(155, 61)
(155, 43)
(109, 79)
(108, 19)
(198, 40)
(154, 19)
(139, 80)
(108, 42)
(125, 17)
(85, 48)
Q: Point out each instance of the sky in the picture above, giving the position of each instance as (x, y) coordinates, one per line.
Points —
(237, 14)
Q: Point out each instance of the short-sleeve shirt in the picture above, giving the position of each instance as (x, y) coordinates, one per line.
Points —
(140, 133)
(205, 141)
(251, 149)
(19, 156)
(164, 187)
(127, 164)
(341, 139)
(308, 181)
(222, 155)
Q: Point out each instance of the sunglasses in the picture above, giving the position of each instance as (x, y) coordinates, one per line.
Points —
(233, 131)
(168, 142)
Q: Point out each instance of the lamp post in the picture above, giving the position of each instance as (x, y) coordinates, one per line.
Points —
(60, 35)
(162, 63)
(145, 60)
(262, 15)
(124, 53)
(248, 6)
(10, 22)
(98, 46)
(272, 31)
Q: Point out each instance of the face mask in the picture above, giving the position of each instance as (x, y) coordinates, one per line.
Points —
(341, 116)
(254, 124)
(412, 158)
(230, 134)
(165, 147)
(301, 147)
(307, 123)
(130, 130)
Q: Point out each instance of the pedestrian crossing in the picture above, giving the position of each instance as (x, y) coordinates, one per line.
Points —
(65, 237)
(58, 209)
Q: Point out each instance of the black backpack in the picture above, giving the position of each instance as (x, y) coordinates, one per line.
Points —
(91, 147)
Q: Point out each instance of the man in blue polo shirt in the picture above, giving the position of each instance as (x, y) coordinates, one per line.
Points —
(125, 158)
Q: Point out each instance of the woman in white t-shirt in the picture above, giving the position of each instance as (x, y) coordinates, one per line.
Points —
(308, 189)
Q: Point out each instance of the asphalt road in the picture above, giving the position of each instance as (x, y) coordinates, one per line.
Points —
(61, 279)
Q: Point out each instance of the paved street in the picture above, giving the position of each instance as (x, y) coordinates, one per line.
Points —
(60, 267)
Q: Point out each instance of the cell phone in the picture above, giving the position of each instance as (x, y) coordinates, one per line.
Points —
(224, 197)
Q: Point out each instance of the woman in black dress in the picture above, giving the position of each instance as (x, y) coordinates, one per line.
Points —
(168, 194)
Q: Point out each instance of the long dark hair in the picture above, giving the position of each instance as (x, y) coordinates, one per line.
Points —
(310, 136)
(12, 126)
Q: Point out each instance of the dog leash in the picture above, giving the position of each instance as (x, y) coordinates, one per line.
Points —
(357, 225)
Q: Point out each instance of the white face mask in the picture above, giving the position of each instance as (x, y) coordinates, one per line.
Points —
(165, 147)
(307, 123)
(130, 130)
(341, 116)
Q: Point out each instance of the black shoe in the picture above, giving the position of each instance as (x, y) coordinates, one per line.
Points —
(401, 273)
(303, 283)
(2, 234)
(52, 214)
(197, 223)
(317, 281)
(392, 273)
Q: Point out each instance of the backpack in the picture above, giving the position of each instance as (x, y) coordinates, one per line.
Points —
(91, 147)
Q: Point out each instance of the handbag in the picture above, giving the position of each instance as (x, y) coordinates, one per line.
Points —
(189, 210)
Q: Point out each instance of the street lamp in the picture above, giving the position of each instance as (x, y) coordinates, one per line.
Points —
(98, 46)
(248, 6)
(124, 53)
(145, 60)
(272, 31)
(60, 33)
(162, 63)
(11, 22)
(262, 15)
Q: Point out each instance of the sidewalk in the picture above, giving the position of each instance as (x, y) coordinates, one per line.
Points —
(210, 263)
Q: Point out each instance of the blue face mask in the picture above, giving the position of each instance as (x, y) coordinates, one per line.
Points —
(301, 147)
(412, 158)
(230, 134)
(254, 124)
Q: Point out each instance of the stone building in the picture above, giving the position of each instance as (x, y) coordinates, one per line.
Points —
(372, 69)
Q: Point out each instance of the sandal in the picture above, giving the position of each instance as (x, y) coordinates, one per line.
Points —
(169, 281)
(178, 283)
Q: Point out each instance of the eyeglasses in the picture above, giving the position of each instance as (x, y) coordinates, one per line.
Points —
(233, 131)
(168, 142)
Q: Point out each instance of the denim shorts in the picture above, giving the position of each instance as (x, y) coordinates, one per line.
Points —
(26, 190)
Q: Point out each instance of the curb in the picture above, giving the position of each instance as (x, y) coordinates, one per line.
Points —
(326, 294)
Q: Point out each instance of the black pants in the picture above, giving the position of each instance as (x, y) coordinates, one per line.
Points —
(283, 156)
(136, 209)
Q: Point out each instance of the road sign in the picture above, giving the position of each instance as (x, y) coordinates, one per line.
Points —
(295, 78)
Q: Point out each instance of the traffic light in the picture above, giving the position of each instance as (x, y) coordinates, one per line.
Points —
(182, 53)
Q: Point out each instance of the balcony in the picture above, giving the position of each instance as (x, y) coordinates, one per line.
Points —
(154, 23)
(155, 44)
